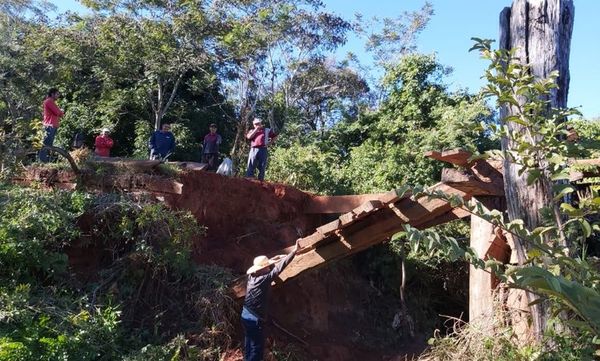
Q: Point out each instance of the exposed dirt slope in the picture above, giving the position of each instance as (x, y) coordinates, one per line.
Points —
(334, 310)
(245, 218)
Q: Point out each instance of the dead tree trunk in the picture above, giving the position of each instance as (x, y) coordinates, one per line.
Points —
(540, 32)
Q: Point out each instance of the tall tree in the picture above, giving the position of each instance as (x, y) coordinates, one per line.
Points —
(539, 31)
(163, 41)
(262, 46)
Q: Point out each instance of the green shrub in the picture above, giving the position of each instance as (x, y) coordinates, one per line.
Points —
(148, 289)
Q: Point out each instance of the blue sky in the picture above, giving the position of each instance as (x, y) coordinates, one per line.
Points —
(456, 21)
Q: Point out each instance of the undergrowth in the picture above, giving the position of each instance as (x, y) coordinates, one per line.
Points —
(495, 336)
(145, 301)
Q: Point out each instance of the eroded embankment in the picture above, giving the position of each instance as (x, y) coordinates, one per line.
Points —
(244, 218)
(335, 310)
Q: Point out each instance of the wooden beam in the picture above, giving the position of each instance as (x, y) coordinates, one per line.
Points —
(329, 244)
(338, 204)
(459, 157)
(451, 215)
(329, 228)
(469, 183)
(394, 196)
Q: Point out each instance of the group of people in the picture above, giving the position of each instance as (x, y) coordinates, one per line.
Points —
(51, 121)
(162, 142)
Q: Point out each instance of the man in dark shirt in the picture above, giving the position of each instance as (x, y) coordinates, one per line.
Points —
(210, 148)
(256, 303)
(162, 143)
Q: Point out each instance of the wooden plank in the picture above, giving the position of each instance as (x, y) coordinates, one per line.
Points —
(394, 196)
(590, 162)
(359, 241)
(575, 176)
(488, 171)
(368, 231)
(337, 204)
(468, 183)
(399, 213)
(343, 240)
(346, 219)
(419, 211)
(194, 166)
(329, 228)
(451, 215)
(366, 208)
(312, 240)
(458, 157)
(376, 230)
(433, 155)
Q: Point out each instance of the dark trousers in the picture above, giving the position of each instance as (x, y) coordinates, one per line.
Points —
(254, 343)
(257, 158)
(49, 141)
(212, 159)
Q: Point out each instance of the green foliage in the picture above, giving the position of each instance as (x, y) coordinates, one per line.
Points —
(188, 145)
(143, 131)
(51, 324)
(17, 138)
(34, 228)
(417, 115)
(112, 69)
(306, 167)
(145, 249)
(588, 142)
(556, 265)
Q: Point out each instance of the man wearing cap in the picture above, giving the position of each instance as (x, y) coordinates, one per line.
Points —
(210, 148)
(259, 138)
(103, 143)
(256, 303)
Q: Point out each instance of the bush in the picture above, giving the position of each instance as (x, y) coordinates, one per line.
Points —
(148, 289)
(306, 167)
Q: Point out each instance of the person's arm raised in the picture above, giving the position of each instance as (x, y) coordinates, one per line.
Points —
(279, 267)
(250, 135)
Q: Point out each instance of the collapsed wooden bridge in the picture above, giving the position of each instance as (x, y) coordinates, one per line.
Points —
(380, 217)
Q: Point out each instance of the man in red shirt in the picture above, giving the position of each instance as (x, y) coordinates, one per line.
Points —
(103, 143)
(52, 115)
(259, 137)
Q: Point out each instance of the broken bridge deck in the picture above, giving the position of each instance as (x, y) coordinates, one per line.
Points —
(376, 220)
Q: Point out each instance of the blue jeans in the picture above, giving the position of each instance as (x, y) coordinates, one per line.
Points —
(254, 342)
(49, 141)
(257, 158)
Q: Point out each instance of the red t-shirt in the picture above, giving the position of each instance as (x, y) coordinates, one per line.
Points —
(52, 113)
(258, 139)
(103, 145)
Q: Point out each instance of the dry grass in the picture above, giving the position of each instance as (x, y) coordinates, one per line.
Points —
(493, 336)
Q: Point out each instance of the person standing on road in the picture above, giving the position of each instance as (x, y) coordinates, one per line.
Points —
(162, 142)
(256, 302)
(51, 121)
(210, 148)
(259, 138)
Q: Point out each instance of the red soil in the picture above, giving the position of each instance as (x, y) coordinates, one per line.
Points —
(244, 218)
